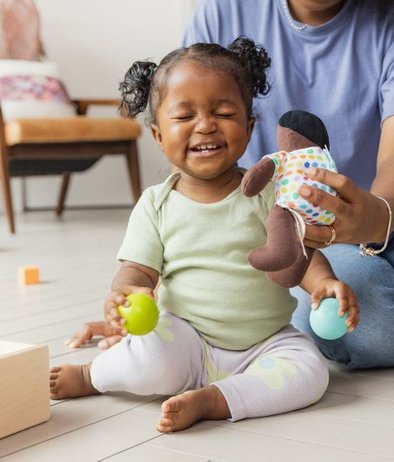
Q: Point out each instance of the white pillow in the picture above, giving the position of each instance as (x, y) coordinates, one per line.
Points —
(32, 89)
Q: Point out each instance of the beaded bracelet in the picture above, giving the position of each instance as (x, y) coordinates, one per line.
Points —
(370, 251)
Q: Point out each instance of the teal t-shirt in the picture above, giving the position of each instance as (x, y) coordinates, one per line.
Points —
(200, 251)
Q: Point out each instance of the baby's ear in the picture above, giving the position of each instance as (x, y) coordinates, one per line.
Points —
(250, 126)
(156, 134)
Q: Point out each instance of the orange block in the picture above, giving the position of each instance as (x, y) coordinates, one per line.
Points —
(29, 275)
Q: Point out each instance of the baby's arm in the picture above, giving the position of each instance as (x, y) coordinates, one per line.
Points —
(131, 278)
(321, 282)
(318, 270)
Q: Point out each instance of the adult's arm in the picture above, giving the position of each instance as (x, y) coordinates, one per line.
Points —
(383, 184)
(360, 215)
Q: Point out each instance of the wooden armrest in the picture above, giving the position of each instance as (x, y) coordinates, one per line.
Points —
(1, 117)
(2, 136)
(83, 104)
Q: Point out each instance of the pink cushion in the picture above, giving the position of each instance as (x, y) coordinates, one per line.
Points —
(32, 89)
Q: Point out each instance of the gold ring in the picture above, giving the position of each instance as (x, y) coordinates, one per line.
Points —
(333, 236)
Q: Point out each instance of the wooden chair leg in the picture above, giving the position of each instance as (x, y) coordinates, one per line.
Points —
(63, 194)
(6, 186)
(134, 170)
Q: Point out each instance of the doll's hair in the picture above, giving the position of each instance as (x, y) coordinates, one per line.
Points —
(244, 60)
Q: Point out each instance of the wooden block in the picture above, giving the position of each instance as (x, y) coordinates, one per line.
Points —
(29, 275)
(24, 386)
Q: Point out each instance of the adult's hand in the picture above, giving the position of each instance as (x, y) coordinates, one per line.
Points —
(360, 216)
(92, 329)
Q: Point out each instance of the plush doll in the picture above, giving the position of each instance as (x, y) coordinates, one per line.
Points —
(303, 143)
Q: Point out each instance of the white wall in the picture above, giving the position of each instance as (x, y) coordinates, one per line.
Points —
(94, 42)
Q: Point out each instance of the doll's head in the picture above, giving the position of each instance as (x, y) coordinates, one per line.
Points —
(300, 129)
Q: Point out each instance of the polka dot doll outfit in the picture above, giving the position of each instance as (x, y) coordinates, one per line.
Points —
(289, 176)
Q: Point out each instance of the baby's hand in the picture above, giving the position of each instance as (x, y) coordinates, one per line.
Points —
(345, 296)
(118, 297)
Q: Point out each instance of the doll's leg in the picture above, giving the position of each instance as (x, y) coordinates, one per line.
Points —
(292, 276)
(166, 361)
(282, 248)
(288, 373)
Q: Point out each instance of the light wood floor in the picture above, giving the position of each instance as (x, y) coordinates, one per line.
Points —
(354, 422)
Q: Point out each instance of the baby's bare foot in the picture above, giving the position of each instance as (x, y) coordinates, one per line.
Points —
(70, 381)
(182, 411)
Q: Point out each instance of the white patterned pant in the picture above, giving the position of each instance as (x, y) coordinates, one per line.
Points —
(284, 373)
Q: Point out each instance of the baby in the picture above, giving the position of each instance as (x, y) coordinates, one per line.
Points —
(224, 347)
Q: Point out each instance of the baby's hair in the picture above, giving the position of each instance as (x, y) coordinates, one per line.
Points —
(244, 60)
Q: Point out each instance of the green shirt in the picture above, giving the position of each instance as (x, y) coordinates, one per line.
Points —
(200, 251)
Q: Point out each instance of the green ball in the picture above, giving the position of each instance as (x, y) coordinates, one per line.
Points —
(141, 316)
(325, 321)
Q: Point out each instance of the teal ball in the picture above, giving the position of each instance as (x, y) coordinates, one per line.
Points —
(325, 321)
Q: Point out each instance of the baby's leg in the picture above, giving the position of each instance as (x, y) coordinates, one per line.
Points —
(166, 361)
(288, 373)
(70, 381)
(285, 373)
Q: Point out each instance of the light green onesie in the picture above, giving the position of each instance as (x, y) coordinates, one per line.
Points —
(236, 335)
(200, 251)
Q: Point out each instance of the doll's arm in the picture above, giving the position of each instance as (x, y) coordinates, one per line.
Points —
(257, 177)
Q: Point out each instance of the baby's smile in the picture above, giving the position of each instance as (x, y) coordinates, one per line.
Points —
(205, 150)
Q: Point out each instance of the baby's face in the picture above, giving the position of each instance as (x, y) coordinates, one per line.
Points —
(202, 124)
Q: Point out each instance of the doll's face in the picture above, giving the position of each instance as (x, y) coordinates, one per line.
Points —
(289, 140)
